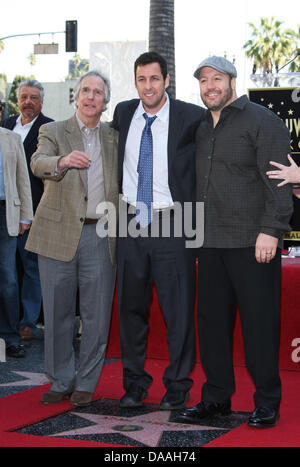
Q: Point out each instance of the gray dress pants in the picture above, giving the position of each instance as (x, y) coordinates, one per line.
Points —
(92, 273)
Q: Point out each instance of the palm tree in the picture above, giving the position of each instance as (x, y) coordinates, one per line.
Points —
(295, 65)
(161, 35)
(32, 59)
(270, 46)
(77, 67)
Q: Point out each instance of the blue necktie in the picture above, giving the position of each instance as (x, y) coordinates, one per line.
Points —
(145, 171)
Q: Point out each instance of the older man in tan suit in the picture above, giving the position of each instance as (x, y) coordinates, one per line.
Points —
(15, 218)
(77, 159)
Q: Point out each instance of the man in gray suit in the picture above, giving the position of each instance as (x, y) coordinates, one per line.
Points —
(77, 159)
(15, 216)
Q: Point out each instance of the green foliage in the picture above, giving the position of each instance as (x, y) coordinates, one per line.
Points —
(3, 82)
(3, 86)
(78, 66)
(32, 59)
(270, 46)
(295, 65)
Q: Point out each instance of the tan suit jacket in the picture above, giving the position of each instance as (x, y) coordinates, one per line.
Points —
(58, 222)
(16, 181)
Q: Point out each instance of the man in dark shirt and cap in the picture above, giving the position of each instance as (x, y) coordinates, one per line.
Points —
(246, 215)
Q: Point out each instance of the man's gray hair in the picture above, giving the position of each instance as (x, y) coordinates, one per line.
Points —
(99, 75)
(34, 84)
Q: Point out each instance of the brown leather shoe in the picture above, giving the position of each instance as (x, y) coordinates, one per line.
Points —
(81, 398)
(26, 334)
(53, 397)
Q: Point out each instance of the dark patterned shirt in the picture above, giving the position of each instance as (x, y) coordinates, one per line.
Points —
(231, 163)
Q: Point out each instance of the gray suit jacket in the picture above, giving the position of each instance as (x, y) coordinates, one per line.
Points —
(58, 222)
(16, 181)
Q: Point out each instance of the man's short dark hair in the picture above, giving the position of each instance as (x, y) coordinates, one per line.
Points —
(152, 57)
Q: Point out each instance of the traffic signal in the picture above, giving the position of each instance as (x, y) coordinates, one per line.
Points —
(71, 36)
(71, 96)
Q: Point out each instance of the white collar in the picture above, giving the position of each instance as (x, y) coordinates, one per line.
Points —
(27, 125)
(162, 114)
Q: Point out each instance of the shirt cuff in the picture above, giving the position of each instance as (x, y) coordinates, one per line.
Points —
(58, 172)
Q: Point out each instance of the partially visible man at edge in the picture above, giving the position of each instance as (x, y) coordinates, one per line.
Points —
(15, 212)
(27, 124)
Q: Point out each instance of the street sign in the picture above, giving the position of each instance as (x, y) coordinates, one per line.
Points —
(40, 49)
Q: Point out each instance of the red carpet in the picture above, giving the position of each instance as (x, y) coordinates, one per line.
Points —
(24, 409)
(290, 324)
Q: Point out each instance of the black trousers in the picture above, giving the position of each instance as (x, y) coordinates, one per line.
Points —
(171, 266)
(227, 278)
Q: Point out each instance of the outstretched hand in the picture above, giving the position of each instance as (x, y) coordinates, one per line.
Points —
(289, 174)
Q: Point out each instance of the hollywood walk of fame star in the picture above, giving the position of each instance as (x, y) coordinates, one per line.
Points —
(32, 379)
(149, 427)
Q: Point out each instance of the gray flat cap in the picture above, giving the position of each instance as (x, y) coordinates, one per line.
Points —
(220, 64)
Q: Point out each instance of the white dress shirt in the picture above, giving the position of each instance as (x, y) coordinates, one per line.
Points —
(23, 130)
(160, 128)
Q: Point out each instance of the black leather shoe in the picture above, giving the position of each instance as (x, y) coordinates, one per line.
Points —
(264, 417)
(204, 410)
(174, 400)
(134, 397)
(16, 351)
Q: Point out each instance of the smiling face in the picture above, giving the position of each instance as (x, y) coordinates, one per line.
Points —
(217, 89)
(151, 86)
(91, 100)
